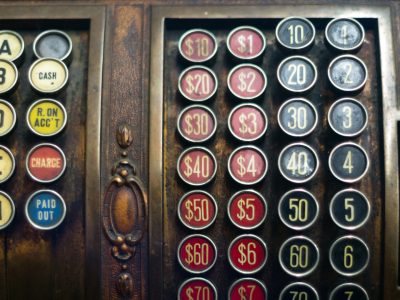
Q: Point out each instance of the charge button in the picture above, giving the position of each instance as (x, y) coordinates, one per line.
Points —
(48, 75)
(45, 163)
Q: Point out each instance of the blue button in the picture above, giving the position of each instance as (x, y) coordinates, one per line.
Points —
(45, 209)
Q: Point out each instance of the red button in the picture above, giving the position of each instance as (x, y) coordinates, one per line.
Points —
(197, 288)
(247, 209)
(45, 163)
(247, 165)
(247, 122)
(197, 253)
(247, 254)
(247, 81)
(197, 210)
(247, 288)
(246, 42)
(197, 45)
(197, 166)
(197, 123)
(197, 83)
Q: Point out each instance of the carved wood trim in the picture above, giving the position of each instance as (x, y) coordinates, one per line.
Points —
(124, 213)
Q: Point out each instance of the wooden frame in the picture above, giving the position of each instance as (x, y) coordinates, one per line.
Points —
(96, 17)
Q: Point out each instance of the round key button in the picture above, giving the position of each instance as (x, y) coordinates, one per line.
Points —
(197, 166)
(247, 288)
(299, 256)
(347, 117)
(295, 33)
(349, 209)
(197, 210)
(246, 42)
(198, 45)
(349, 255)
(247, 165)
(48, 75)
(45, 163)
(197, 253)
(297, 74)
(298, 162)
(53, 44)
(348, 291)
(247, 254)
(347, 73)
(197, 123)
(345, 34)
(11, 45)
(8, 76)
(46, 117)
(197, 83)
(247, 81)
(348, 162)
(197, 288)
(247, 122)
(8, 118)
(297, 117)
(7, 210)
(45, 209)
(298, 209)
(247, 209)
(7, 164)
(297, 291)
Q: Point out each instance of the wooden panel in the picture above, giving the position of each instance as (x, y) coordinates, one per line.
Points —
(124, 106)
(28, 248)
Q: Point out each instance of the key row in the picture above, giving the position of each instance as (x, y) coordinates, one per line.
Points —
(50, 44)
(296, 74)
(254, 289)
(46, 76)
(297, 117)
(297, 162)
(44, 210)
(45, 117)
(298, 209)
(249, 43)
(45, 163)
(299, 256)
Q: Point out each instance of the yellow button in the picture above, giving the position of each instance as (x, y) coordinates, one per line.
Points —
(48, 75)
(7, 210)
(46, 117)
(11, 45)
(8, 76)
(8, 117)
(7, 164)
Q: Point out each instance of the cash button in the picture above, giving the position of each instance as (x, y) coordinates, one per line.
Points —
(45, 163)
(46, 117)
(48, 75)
(45, 209)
